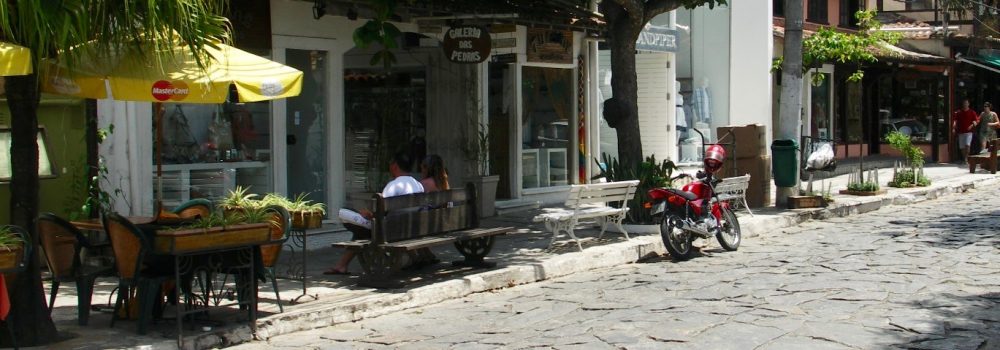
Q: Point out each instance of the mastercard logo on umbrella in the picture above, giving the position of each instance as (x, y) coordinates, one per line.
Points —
(170, 90)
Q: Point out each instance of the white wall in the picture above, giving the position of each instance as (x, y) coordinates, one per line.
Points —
(751, 44)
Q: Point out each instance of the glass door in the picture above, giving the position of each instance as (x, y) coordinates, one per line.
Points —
(821, 106)
(306, 124)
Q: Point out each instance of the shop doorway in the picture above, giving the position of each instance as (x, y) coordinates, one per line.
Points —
(502, 107)
(306, 122)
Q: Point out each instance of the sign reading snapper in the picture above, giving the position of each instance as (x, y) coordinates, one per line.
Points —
(467, 44)
(657, 39)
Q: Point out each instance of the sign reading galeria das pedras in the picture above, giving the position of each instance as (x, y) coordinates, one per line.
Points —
(467, 44)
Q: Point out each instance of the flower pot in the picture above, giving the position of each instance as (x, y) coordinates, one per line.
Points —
(193, 240)
(862, 193)
(802, 202)
(302, 220)
(9, 259)
(486, 193)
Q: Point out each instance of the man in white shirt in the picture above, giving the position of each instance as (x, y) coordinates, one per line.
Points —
(359, 222)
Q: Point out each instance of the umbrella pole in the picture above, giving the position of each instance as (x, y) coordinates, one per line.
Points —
(159, 155)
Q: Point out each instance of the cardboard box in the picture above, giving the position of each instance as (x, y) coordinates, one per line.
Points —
(759, 168)
(747, 141)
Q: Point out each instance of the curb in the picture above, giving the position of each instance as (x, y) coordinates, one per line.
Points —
(382, 303)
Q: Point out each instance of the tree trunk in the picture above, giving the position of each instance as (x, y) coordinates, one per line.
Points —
(622, 109)
(32, 322)
(92, 155)
(791, 87)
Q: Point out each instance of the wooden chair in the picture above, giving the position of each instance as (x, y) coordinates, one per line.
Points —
(271, 252)
(198, 207)
(131, 248)
(62, 244)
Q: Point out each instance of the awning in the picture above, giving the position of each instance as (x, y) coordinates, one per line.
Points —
(990, 63)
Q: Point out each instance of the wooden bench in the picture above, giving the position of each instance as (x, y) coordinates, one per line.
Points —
(734, 190)
(406, 223)
(985, 161)
(590, 202)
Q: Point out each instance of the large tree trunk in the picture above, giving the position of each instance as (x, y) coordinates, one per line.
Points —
(622, 109)
(791, 87)
(32, 324)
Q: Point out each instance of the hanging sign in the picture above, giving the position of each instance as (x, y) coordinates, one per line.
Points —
(657, 39)
(467, 44)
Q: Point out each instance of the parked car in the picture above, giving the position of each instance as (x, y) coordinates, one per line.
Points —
(912, 127)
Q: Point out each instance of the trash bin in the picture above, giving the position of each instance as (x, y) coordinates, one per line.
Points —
(783, 162)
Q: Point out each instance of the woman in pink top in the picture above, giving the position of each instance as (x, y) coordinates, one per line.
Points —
(434, 177)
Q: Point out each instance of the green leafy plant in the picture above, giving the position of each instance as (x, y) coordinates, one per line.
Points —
(867, 186)
(858, 182)
(911, 172)
(98, 199)
(650, 173)
(477, 150)
(379, 30)
(214, 220)
(828, 45)
(8, 240)
(238, 198)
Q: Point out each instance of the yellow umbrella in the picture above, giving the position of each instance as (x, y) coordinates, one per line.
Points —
(131, 76)
(14, 59)
(170, 76)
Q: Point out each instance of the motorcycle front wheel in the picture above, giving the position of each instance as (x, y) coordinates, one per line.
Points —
(677, 241)
(728, 233)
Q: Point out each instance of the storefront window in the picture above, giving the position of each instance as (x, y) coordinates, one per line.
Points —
(853, 124)
(208, 150)
(385, 113)
(918, 105)
(548, 107)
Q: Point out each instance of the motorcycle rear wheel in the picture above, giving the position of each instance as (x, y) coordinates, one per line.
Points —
(729, 234)
(677, 241)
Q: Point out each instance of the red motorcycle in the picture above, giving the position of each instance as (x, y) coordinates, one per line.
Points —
(694, 211)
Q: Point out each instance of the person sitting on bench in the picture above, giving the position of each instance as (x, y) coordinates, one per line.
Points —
(359, 222)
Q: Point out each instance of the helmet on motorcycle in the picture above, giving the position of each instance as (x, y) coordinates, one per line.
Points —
(714, 156)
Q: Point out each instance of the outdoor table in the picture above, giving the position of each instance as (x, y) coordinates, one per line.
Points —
(297, 244)
(191, 255)
(213, 257)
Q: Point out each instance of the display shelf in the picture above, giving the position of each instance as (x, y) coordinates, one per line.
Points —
(182, 182)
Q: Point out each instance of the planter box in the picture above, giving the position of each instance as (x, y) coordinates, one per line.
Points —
(862, 193)
(9, 259)
(195, 240)
(306, 220)
(802, 202)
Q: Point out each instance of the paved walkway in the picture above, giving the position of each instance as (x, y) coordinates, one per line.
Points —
(923, 278)
(523, 258)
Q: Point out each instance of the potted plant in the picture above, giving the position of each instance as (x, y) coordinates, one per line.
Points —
(11, 248)
(236, 200)
(305, 214)
(477, 152)
(858, 185)
(909, 173)
(248, 225)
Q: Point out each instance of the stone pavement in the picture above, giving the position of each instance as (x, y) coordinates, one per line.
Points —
(921, 278)
(523, 258)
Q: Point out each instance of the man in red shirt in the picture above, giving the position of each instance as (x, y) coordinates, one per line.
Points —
(963, 124)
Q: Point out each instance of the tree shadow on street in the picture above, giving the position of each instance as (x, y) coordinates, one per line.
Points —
(951, 321)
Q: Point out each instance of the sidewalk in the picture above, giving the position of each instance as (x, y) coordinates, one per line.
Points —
(522, 258)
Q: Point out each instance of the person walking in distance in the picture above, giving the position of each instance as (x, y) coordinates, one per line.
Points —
(359, 222)
(963, 124)
(988, 123)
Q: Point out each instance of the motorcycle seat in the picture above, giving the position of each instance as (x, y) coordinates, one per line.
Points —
(684, 194)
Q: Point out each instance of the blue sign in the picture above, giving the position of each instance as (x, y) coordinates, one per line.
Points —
(657, 39)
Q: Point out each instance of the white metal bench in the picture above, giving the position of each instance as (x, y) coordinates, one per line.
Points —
(733, 190)
(590, 202)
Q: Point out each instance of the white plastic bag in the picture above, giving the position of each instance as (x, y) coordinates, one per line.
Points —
(821, 158)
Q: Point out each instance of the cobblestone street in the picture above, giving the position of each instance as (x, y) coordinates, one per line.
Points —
(923, 277)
